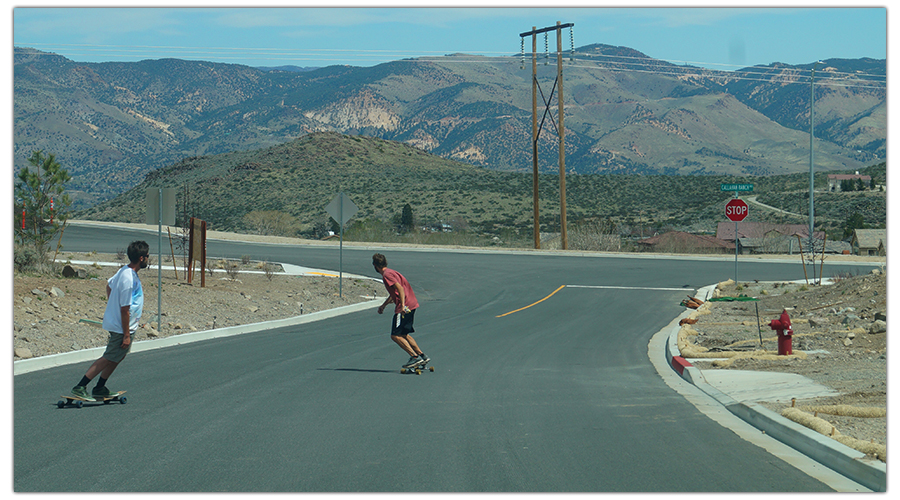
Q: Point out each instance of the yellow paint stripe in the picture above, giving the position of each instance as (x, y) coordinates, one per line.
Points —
(325, 274)
(536, 303)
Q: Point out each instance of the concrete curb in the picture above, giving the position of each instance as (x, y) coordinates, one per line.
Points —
(838, 457)
(87, 355)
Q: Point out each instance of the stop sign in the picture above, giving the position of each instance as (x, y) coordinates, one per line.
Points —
(736, 210)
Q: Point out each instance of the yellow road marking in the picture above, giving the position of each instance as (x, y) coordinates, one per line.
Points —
(536, 303)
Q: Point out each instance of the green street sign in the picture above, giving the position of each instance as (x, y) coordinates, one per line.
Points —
(737, 187)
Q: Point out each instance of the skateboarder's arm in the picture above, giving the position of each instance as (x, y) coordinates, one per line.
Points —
(126, 328)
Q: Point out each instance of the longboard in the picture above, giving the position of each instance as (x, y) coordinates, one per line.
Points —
(79, 402)
(418, 369)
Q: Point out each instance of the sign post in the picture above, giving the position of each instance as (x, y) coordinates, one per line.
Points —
(160, 210)
(736, 210)
(341, 209)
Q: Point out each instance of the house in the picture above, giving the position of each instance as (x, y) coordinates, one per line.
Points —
(869, 241)
(834, 180)
(680, 242)
(763, 237)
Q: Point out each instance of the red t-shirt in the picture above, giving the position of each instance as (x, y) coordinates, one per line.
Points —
(391, 277)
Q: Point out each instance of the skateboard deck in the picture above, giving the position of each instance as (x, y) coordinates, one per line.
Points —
(79, 402)
(418, 369)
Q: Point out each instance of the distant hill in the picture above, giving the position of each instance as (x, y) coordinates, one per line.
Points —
(111, 124)
(300, 177)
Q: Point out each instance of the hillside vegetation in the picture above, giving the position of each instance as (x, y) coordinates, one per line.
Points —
(297, 180)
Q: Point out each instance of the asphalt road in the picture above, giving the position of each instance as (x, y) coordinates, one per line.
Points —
(559, 396)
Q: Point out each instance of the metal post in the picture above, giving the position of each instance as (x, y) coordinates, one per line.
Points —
(159, 267)
(341, 251)
(812, 112)
(735, 251)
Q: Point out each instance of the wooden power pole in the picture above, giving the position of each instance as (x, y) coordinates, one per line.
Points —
(535, 130)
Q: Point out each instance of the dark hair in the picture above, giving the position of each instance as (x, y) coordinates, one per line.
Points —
(379, 260)
(138, 249)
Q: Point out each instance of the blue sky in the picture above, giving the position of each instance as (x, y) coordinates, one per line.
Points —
(718, 38)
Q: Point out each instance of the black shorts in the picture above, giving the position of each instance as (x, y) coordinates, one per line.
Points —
(402, 324)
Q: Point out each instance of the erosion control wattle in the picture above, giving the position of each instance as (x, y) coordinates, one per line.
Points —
(782, 326)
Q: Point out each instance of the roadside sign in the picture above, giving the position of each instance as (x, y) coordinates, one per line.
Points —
(341, 208)
(736, 210)
(737, 187)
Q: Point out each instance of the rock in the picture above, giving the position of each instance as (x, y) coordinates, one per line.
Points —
(38, 292)
(880, 316)
(253, 309)
(23, 353)
(27, 300)
(850, 318)
(74, 272)
(851, 335)
(56, 292)
(818, 322)
(878, 326)
(848, 342)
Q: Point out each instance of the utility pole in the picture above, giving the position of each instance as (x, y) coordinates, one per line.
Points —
(562, 143)
(535, 130)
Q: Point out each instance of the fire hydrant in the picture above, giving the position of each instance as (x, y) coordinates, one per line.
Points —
(782, 325)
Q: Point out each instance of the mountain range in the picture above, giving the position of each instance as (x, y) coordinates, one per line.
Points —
(110, 124)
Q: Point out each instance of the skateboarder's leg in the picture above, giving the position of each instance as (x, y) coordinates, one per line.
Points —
(404, 344)
(102, 366)
(413, 345)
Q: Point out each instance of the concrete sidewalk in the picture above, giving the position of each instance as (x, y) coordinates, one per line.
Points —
(739, 391)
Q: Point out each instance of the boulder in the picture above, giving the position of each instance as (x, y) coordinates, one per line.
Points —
(878, 326)
(70, 271)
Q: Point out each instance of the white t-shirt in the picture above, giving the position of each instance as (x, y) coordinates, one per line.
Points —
(126, 291)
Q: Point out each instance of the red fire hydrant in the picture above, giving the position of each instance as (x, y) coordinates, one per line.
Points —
(782, 325)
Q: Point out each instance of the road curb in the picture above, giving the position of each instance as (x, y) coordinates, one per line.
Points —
(838, 457)
(86, 355)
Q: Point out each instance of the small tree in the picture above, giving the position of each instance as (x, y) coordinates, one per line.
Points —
(41, 205)
(853, 222)
(407, 221)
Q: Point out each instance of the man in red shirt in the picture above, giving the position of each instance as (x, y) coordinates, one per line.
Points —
(401, 294)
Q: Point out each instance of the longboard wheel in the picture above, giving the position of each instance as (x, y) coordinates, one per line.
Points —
(431, 368)
(418, 372)
(123, 399)
(79, 404)
(106, 401)
(61, 403)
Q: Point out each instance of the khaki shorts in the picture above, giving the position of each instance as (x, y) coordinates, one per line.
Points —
(114, 351)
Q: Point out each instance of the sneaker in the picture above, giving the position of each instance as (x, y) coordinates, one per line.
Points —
(100, 391)
(425, 359)
(81, 392)
(413, 362)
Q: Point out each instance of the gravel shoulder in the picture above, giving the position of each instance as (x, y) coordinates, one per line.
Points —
(839, 341)
(47, 310)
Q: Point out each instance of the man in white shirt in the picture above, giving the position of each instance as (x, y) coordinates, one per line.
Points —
(125, 303)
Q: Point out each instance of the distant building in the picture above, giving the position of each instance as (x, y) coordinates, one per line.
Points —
(869, 241)
(680, 242)
(834, 180)
(763, 237)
